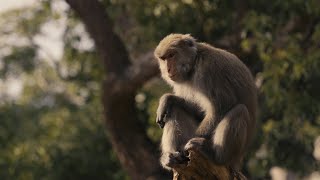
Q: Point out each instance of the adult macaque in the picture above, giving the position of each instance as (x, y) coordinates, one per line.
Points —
(213, 106)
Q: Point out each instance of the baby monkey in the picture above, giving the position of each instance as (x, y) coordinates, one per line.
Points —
(213, 105)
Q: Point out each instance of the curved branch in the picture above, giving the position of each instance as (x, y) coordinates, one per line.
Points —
(100, 27)
(144, 68)
(137, 155)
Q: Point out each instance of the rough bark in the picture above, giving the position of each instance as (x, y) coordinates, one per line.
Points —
(200, 168)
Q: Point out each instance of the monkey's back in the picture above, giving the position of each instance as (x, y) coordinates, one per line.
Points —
(226, 80)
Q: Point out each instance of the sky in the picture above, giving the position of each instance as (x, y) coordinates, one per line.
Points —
(50, 40)
(12, 4)
(12, 87)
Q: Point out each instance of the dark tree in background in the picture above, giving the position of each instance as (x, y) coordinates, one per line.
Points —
(54, 130)
(135, 151)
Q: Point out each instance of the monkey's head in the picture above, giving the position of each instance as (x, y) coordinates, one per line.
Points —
(176, 54)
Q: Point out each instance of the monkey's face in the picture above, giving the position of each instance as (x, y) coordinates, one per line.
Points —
(176, 55)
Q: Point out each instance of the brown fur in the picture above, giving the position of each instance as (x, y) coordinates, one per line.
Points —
(216, 83)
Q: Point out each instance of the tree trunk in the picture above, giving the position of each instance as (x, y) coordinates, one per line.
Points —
(137, 155)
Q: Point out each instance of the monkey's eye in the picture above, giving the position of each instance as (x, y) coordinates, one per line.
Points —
(167, 56)
(162, 58)
(170, 55)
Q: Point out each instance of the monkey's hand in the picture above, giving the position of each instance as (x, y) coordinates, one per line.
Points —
(172, 160)
(164, 109)
(197, 143)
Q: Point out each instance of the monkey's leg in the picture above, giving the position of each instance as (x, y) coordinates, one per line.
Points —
(229, 140)
(231, 136)
(179, 128)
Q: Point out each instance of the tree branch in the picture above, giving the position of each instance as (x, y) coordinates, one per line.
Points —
(100, 27)
(137, 155)
(144, 68)
(200, 168)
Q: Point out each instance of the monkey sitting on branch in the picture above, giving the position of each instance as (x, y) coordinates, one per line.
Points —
(213, 105)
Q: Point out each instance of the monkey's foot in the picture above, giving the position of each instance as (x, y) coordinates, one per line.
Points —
(175, 159)
(197, 143)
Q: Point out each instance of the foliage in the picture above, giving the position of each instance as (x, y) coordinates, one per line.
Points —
(283, 52)
(54, 130)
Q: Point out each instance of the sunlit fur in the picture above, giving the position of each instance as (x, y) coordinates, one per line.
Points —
(185, 51)
(221, 86)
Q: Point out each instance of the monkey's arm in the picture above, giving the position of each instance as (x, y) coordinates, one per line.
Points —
(167, 101)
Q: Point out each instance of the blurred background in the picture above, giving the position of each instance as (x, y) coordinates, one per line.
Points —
(62, 118)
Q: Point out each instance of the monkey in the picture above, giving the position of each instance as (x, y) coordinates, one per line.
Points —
(213, 105)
